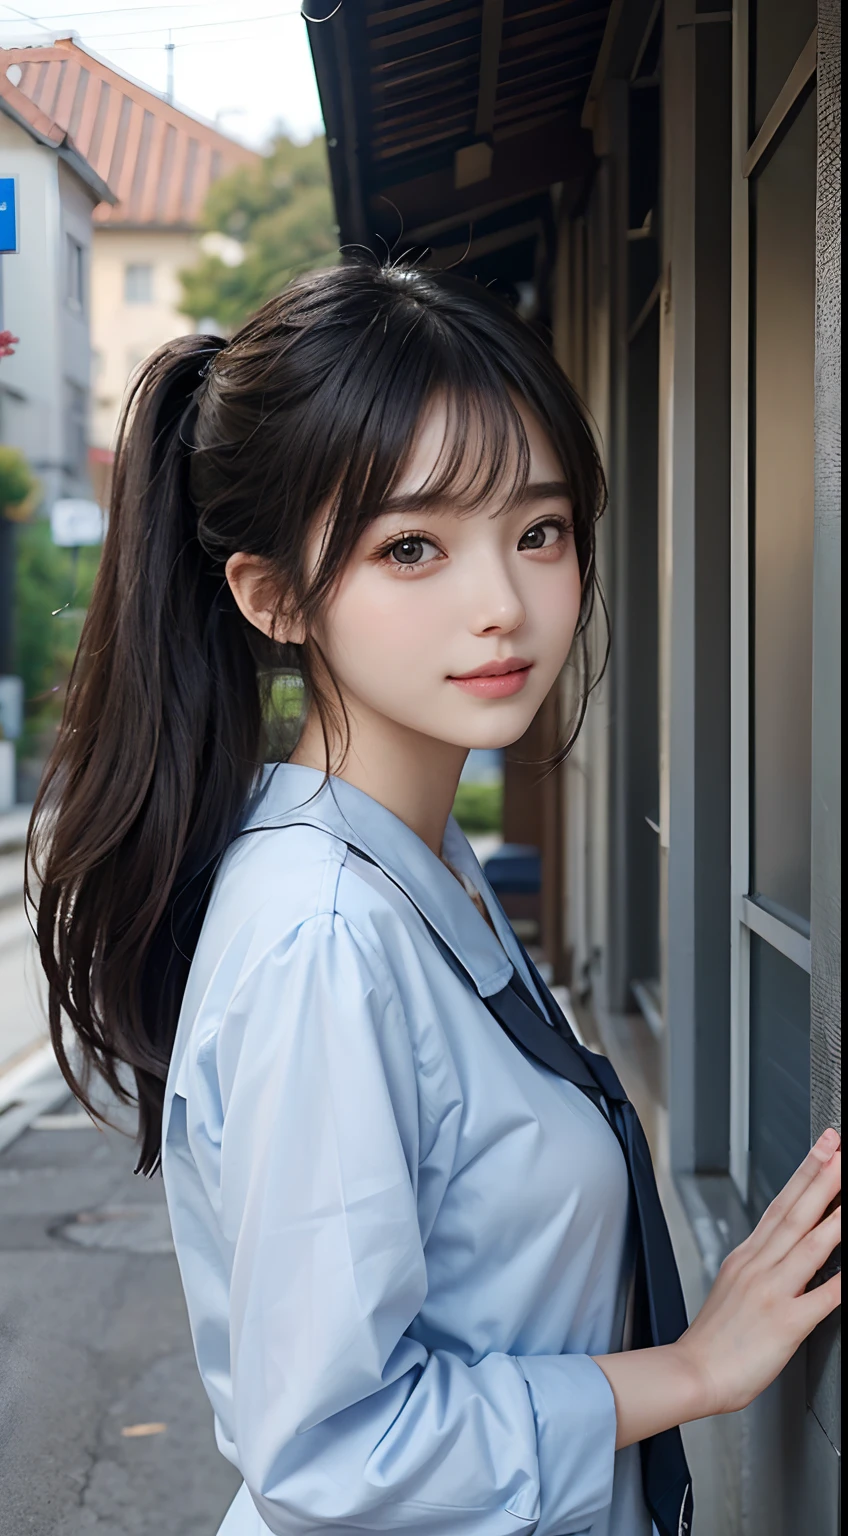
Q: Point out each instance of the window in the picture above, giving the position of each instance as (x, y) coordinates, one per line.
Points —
(780, 1071)
(138, 283)
(783, 332)
(771, 747)
(76, 430)
(74, 273)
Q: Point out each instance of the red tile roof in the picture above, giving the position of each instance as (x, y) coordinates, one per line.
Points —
(158, 160)
(18, 106)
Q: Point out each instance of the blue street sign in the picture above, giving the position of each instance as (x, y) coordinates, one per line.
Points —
(8, 214)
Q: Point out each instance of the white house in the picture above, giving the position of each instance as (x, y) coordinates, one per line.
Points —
(160, 161)
(44, 387)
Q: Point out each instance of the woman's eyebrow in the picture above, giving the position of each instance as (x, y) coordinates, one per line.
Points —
(544, 490)
(424, 501)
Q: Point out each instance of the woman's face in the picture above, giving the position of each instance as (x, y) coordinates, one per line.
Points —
(456, 625)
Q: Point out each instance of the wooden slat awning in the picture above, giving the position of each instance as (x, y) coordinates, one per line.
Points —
(448, 123)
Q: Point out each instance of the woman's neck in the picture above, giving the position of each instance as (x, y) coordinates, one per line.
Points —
(413, 776)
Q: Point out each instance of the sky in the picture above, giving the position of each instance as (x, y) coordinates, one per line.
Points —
(244, 63)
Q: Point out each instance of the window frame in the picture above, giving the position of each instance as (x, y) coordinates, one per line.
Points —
(749, 914)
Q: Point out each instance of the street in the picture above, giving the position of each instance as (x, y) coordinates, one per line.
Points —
(104, 1425)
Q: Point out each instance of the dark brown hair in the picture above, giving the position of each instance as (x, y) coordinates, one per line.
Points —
(313, 405)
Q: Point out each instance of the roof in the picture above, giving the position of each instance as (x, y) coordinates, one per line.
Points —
(45, 130)
(454, 120)
(159, 160)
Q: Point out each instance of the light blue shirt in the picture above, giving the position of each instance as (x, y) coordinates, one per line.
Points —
(401, 1239)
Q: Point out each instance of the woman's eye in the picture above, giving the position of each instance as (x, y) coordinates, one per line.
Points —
(410, 551)
(542, 536)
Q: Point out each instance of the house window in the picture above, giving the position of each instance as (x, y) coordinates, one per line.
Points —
(138, 283)
(76, 430)
(75, 273)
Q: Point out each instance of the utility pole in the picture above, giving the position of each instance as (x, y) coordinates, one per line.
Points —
(169, 88)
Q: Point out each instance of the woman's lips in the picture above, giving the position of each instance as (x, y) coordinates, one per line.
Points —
(501, 686)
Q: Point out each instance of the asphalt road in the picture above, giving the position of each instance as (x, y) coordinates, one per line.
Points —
(94, 1342)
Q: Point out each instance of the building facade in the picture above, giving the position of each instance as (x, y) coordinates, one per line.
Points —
(702, 804)
(160, 162)
(656, 183)
(44, 387)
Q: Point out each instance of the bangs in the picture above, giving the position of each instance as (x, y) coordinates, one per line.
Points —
(412, 365)
(484, 454)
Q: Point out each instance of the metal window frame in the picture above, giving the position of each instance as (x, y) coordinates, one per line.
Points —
(740, 1056)
(747, 915)
(781, 936)
(794, 88)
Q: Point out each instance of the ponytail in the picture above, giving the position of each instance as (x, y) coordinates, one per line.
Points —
(155, 757)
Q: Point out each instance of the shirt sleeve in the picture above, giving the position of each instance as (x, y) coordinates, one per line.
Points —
(342, 1422)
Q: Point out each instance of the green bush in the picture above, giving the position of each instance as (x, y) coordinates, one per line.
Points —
(479, 807)
(284, 706)
(52, 592)
(17, 481)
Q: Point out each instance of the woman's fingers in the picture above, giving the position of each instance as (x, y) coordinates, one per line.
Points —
(818, 1156)
(807, 1212)
(808, 1255)
(818, 1304)
(800, 1203)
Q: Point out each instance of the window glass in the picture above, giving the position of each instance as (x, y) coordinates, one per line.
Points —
(76, 429)
(780, 30)
(138, 283)
(780, 1072)
(75, 274)
(783, 311)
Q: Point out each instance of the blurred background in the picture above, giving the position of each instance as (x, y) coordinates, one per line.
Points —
(654, 184)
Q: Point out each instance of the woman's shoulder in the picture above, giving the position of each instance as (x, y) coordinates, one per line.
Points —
(294, 927)
(295, 885)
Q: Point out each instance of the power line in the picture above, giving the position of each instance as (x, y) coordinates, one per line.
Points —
(189, 42)
(123, 10)
(187, 26)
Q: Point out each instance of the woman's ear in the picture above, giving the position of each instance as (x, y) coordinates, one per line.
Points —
(252, 586)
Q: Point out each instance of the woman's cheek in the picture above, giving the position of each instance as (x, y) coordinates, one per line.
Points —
(556, 606)
(371, 628)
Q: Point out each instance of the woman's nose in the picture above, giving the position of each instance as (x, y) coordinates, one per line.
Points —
(499, 606)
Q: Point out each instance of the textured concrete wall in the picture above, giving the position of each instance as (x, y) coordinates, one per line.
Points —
(826, 1023)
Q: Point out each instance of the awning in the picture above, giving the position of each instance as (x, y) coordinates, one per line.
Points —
(449, 126)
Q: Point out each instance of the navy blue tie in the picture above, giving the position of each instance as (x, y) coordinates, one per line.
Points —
(659, 1308)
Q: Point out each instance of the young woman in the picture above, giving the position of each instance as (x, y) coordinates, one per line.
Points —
(416, 1224)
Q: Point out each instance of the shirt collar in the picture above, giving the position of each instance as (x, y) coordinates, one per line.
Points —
(291, 793)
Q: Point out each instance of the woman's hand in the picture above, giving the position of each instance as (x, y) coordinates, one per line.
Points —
(752, 1322)
(759, 1310)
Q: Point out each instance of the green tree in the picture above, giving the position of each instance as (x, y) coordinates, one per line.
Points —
(52, 592)
(281, 213)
